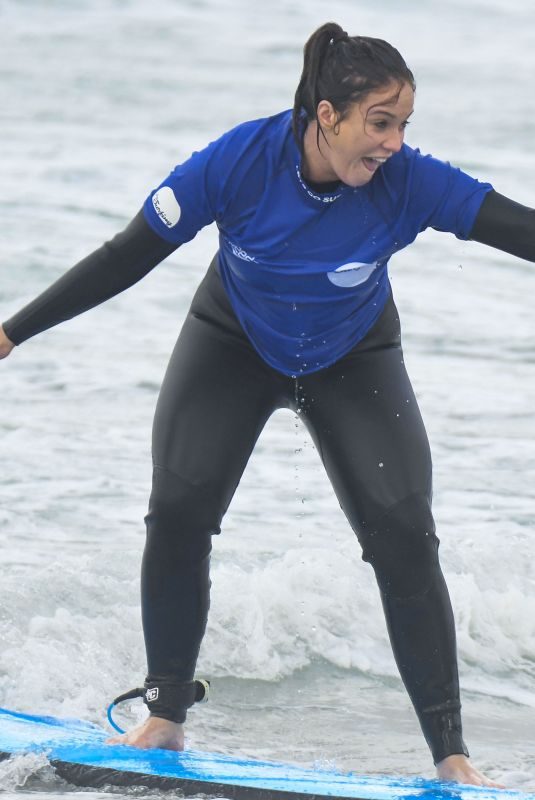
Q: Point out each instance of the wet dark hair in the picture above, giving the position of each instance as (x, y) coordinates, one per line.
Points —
(344, 69)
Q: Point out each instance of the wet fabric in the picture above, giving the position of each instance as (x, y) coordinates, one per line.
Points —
(306, 271)
(363, 416)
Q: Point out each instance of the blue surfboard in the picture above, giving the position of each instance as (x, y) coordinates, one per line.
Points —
(79, 754)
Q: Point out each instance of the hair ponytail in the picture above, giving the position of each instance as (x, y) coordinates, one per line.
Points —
(343, 69)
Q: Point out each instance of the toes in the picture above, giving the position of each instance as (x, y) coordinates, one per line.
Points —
(117, 740)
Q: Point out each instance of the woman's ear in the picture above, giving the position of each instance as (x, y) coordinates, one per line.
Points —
(327, 116)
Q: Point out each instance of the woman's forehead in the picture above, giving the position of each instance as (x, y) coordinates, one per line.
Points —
(393, 98)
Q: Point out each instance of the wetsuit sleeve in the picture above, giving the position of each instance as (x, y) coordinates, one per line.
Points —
(506, 225)
(109, 270)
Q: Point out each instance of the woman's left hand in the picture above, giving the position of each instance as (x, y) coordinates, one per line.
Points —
(6, 345)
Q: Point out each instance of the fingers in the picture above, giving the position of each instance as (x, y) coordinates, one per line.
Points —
(6, 345)
(5, 351)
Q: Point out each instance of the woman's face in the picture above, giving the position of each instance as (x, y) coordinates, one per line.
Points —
(356, 147)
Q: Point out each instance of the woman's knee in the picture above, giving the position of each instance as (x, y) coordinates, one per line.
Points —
(402, 548)
(182, 516)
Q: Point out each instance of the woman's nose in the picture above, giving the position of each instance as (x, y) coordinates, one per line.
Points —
(394, 141)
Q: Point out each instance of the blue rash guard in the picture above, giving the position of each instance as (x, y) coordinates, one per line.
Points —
(306, 273)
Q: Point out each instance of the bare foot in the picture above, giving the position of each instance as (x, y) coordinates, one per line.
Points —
(459, 769)
(153, 733)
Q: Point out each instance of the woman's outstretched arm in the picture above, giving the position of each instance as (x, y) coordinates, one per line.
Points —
(506, 225)
(111, 269)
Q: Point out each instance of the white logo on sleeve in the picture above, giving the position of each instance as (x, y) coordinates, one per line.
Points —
(152, 694)
(351, 274)
(166, 206)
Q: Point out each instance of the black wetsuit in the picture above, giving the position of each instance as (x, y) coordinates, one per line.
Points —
(364, 419)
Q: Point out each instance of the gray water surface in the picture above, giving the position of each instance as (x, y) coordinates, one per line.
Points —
(99, 100)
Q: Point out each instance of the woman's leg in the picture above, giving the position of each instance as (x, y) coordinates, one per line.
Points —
(215, 399)
(364, 418)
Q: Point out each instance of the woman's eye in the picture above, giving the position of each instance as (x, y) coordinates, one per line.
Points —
(382, 125)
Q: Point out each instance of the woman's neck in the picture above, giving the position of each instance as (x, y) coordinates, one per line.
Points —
(315, 166)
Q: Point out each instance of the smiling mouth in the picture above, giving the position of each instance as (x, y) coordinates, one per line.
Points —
(372, 163)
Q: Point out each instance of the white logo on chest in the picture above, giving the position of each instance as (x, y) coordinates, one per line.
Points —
(351, 274)
(240, 253)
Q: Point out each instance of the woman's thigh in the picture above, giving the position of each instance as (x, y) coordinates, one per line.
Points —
(364, 418)
(215, 399)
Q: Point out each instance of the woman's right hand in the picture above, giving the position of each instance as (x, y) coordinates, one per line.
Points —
(6, 345)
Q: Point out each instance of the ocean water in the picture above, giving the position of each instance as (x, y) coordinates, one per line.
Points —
(99, 99)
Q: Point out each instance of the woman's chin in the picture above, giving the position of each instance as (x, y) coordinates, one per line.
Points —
(355, 182)
(359, 176)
